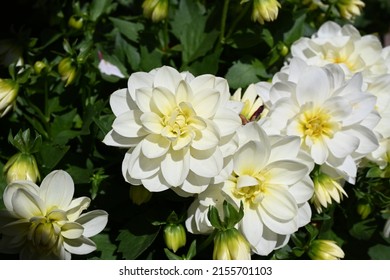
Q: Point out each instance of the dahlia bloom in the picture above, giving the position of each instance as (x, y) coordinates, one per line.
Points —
(332, 115)
(269, 175)
(344, 46)
(177, 128)
(46, 222)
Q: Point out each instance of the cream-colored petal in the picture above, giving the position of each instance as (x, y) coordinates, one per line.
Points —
(27, 205)
(79, 246)
(93, 222)
(57, 189)
(72, 230)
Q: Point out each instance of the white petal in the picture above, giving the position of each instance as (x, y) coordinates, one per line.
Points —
(15, 186)
(112, 138)
(206, 102)
(319, 152)
(303, 190)
(194, 184)
(27, 205)
(121, 102)
(93, 222)
(143, 98)
(167, 77)
(286, 147)
(129, 124)
(175, 166)
(77, 206)
(57, 189)
(251, 225)
(304, 215)
(72, 230)
(267, 242)
(246, 181)
(139, 166)
(285, 172)
(207, 138)
(139, 80)
(156, 183)
(227, 121)
(250, 158)
(279, 203)
(207, 163)
(163, 101)
(342, 144)
(79, 246)
(154, 146)
(313, 86)
(183, 93)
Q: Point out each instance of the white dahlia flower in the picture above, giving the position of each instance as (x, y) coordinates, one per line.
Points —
(177, 129)
(46, 222)
(343, 45)
(333, 116)
(269, 175)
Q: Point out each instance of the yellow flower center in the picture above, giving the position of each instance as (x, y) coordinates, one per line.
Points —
(316, 124)
(45, 230)
(340, 58)
(251, 194)
(181, 126)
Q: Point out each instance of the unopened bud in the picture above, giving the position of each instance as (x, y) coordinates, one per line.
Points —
(174, 236)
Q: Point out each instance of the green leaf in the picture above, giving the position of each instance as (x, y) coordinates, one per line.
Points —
(240, 74)
(128, 29)
(205, 65)
(171, 256)
(363, 230)
(379, 252)
(105, 246)
(97, 8)
(50, 155)
(296, 31)
(135, 240)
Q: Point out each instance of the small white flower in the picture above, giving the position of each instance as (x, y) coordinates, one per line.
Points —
(177, 127)
(46, 222)
(270, 176)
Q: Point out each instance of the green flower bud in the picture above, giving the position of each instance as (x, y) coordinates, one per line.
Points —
(39, 66)
(265, 10)
(22, 166)
(67, 70)
(139, 194)
(231, 245)
(320, 249)
(8, 93)
(75, 22)
(157, 10)
(364, 209)
(174, 236)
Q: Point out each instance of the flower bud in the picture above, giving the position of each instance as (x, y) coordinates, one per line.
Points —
(75, 22)
(8, 93)
(174, 236)
(326, 190)
(157, 10)
(21, 166)
(67, 70)
(364, 209)
(231, 245)
(320, 249)
(350, 9)
(139, 194)
(265, 10)
(39, 66)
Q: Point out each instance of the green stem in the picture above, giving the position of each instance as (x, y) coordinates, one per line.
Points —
(223, 22)
(237, 19)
